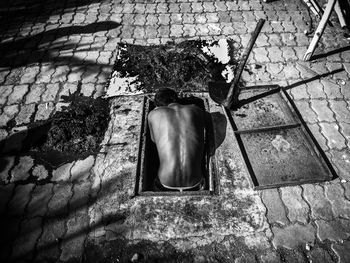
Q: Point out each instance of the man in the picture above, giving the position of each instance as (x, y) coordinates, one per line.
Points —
(178, 132)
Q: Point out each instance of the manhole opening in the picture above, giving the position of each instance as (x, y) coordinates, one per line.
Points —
(148, 160)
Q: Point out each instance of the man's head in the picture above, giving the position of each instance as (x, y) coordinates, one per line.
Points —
(165, 96)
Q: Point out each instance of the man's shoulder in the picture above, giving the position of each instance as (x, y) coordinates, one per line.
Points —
(159, 111)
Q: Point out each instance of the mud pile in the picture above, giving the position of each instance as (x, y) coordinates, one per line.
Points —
(182, 66)
(79, 128)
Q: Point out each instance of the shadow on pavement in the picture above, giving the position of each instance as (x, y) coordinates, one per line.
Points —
(40, 47)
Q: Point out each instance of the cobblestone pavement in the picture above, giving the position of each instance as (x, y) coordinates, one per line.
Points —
(83, 211)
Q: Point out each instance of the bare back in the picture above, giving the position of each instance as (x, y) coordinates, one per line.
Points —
(178, 132)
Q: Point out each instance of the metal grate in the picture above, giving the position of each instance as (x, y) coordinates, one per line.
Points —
(276, 144)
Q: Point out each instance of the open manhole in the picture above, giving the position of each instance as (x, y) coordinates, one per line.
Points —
(148, 160)
(277, 145)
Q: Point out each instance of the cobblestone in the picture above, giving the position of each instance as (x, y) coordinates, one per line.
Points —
(58, 204)
(322, 110)
(17, 95)
(335, 139)
(48, 243)
(44, 111)
(336, 230)
(73, 242)
(340, 205)
(297, 209)
(5, 196)
(275, 209)
(23, 247)
(315, 89)
(20, 171)
(303, 234)
(39, 201)
(20, 199)
(308, 114)
(342, 250)
(25, 114)
(320, 206)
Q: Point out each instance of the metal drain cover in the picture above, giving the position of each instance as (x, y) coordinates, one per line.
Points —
(278, 148)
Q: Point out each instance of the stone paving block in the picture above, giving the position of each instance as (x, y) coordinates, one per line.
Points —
(331, 89)
(212, 17)
(240, 28)
(335, 139)
(7, 164)
(58, 204)
(18, 94)
(316, 132)
(340, 205)
(50, 92)
(152, 19)
(320, 206)
(30, 74)
(140, 19)
(73, 241)
(176, 18)
(307, 113)
(25, 114)
(44, 111)
(81, 169)
(20, 199)
(275, 40)
(40, 172)
(214, 29)
(297, 208)
(200, 18)
(335, 230)
(3, 75)
(324, 113)
(302, 235)
(75, 75)
(345, 131)
(9, 228)
(300, 92)
(162, 8)
(343, 251)
(5, 92)
(341, 110)
(15, 76)
(80, 196)
(45, 74)
(176, 31)
(9, 112)
(24, 245)
(275, 209)
(201, 30)
(48, 243)
(288, 39)
(40, 198)
(6, 192)
(341, 159)
(185, 7)
(68, 89)
(290, 71)
(208, 7)
(288, 53)
(62, 173)
(315, 89)
(21, 171)
(260, 55)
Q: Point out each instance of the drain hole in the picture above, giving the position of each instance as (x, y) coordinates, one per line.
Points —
(150, 161)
